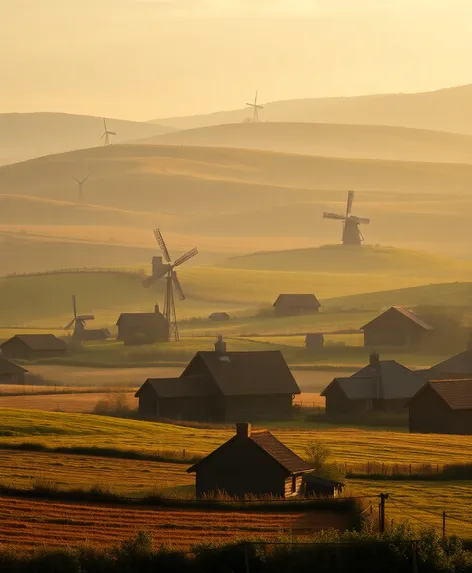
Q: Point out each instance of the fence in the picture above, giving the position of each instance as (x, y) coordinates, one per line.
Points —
(91, 270)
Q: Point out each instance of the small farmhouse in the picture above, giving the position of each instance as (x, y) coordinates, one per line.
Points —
(314, 341)
(33, 346)
(442, 407)
(11, 373)
(219, 316)
(223, 387)
(396, 327)
(251, 463)
(294, 304)
(143, 327)
(383, 385)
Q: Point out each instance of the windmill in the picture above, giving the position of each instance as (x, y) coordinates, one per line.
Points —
(81, 185)
(167, 269)
(255, 109)
(351, 233)
(106, 133)
(78, 322)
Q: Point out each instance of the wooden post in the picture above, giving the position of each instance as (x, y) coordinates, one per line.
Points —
(246, 558)
(444, 524)
(383, 497)
(414, 560)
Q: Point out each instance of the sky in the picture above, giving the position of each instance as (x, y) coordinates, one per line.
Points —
(146, 59)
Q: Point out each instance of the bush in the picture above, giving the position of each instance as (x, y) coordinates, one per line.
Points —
(318, 455)
(115, 404)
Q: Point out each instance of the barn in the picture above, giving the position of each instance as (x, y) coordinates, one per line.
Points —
(295, 304)
(442, 407)
(459, 366)
(11, 373)
(33, 346)
(219, 316)
(251, 463)
(383, 385)
(223, 387)
(396, 327)
(314, 341)
(143, 327)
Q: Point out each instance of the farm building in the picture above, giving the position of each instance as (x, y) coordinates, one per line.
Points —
(143, 327)
(459, 366)
(315, 486)
(395, 327)
(294, 304)
(223, 387)
(219, 316)
(442, 407)
(33, 346)
(383, 385)
(314, 341)
(11, 373)
(250, 463)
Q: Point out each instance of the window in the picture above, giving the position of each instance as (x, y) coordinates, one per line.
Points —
(294, 484)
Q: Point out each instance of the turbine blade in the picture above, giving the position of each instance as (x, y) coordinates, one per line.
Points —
(334, 216)
(350, 199)
(177, 285)
(162, 245)
(69, 326)
(186, 257)
(359, 220)
(149, 281)
(75, 179)
(74, 305)
(86, 178)
(112, 133)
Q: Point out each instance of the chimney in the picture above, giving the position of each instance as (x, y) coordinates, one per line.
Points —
(243, 430)
(374, 359)
(156, 309)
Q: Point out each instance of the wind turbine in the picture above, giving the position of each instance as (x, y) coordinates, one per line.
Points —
(106, 133)
(351, 233)
(81, 185)
(255, 108)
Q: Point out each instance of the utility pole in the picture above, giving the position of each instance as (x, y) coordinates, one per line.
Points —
(383, 497)
(444, 524)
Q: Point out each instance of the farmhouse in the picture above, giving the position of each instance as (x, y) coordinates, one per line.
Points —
(395, 327)
(383, 385)
(442, 407)
(250, 463)
(219, 316)
(314, 341)
(223, 387)
(33, 346)
(11, 373)
(294, 304)
(143, 327)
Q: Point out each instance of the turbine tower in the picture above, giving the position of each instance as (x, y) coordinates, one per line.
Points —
(255, 109)
(81, 187)
(107, 133)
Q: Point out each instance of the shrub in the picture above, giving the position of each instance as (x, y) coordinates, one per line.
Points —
(318, 455)
(115, 404)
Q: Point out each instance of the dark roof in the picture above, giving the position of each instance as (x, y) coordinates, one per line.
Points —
(456, 393)
(188, 386)
(404, 312)
(270, 445)
(323, 482)
(38, 341)
(140, 319)
(248, 373)
(297, 301)
(218, 315)
(7, 367)
(459, 364)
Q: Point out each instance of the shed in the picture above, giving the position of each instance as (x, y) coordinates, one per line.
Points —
(33, 346)
(143, 327)
(251, 463)
(11, 373)
(442, 407)
(396, 327)
(294, 304)
(223, 387)
(219, 316)
(315, 486)
(314, 341)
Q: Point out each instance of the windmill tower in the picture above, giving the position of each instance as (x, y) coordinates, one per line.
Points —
(351, 233)
(78, 322)
(81, 187)
(255, 109)
(167, 269)
(107, 133)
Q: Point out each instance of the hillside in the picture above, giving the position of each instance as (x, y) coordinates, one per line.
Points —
(443, 110)
(27, 135)
(330, 140)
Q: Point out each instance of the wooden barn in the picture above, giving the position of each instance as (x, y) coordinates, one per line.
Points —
(33, 346)
(251, 463)
(219, 316)
(459, 366)
(396, 327)
(442, 407)
(11, 373)
(314, 341)
(143, 327)
(223, 387)
(383, 385)
(295, 304)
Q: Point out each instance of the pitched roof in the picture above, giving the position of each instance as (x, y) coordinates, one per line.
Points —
(404, 312)
(456, 393)
(185, 387)
(140, 319)
(38, 341)
(7, 367)
(323, 482)
(272, 447)
(459, 364)
(297, 301)
(248, 373)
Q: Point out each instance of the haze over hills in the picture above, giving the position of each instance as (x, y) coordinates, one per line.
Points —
(329, 140)
(28, 135)
(444, 110)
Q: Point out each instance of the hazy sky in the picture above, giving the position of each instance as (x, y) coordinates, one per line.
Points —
(144, 59)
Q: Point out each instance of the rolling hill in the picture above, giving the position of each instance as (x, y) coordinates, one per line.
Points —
(25, 136)
(330, 140)
(443, 110)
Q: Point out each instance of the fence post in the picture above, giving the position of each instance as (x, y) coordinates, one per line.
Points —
(246, 558)
(414, 560)
(444, 524)
(383, 497)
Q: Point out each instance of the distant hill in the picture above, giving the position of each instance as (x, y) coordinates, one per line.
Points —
(330, 140)
(444, 110)
(28, 135)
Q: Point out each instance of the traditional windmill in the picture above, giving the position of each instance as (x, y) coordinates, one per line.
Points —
(351, 233)
(106, 133)
(78, 322)
(80, 183)
(255, 108)
(167, 269)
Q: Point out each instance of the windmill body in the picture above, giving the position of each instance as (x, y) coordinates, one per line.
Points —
(167, 270)
(107, 133)
(352, 235)
(255, 109)
(82, 334)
